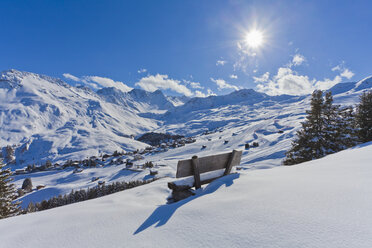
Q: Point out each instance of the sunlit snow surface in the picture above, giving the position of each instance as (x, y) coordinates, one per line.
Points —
(58, 122)
(322, 203)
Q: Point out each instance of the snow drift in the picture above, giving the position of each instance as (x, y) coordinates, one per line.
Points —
(321, 203)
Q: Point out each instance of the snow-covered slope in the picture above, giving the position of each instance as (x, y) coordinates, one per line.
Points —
(178, 100)
(322, 203)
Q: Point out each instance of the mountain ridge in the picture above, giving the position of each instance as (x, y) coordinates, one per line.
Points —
(50, 119)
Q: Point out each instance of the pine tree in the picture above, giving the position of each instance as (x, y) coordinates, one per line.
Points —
(364, 117)
(7, 194)
(309, 143)
(331, 128)
(30, 208)
(328, 129)
(347, 133)
(9, 158)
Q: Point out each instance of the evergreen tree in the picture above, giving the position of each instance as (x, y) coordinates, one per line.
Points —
(30, 208)
(310, 139)
(7, 194)
(364, 117)
(347, 132)
(9, 158)
(331, 128)
(328, 129)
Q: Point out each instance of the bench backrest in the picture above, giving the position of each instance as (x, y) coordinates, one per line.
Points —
(196, 166)
(208, 163)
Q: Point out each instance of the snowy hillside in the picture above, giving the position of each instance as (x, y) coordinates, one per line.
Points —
(322, 203)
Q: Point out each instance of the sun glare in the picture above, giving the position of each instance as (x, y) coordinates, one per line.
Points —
(254, 38)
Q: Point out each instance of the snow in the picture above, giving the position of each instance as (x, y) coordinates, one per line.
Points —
(315, 204)
(321, 203)
(49, 119)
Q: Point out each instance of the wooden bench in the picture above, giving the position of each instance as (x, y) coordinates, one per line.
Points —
(199, 171)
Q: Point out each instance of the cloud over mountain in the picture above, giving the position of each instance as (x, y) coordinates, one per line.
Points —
(97, 82)
(288, 81)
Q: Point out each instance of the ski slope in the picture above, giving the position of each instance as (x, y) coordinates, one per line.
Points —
(321, 203)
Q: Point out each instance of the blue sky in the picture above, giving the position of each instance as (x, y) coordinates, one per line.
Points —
(190, 47)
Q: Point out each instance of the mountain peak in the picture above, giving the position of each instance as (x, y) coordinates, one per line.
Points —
(365, 83)
(15, 78)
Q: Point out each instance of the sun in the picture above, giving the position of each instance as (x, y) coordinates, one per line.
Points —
(254, 38)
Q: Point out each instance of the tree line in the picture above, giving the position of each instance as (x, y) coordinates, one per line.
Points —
(10, 207)
(330, 128)
(83, 195)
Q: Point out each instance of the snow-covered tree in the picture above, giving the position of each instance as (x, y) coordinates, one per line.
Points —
(9, 157)
(310, 139)
(7, 194)
(364, 117)
(331, 129)
(328, 129)
(30, 208)
(347, 133)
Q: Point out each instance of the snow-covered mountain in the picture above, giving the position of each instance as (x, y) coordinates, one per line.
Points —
(49, 119)
(178, 100)
(140, 101)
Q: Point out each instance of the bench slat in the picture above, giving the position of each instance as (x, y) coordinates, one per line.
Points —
(189, 182)
(206, 164)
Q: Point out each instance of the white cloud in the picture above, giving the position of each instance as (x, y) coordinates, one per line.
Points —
(221, 62)
(347, 74)
(199, 94)
(336, 68)
(233, 76)
(210, 92)
(97, 82)
(222, 84)
(285, 81)
(288, 81)
(142, 70)
(71, 77)
(194, 85)
(102, 82)
(152, 83)
(263, 78)
(246, 57)
(298, 59)
(327, 83)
